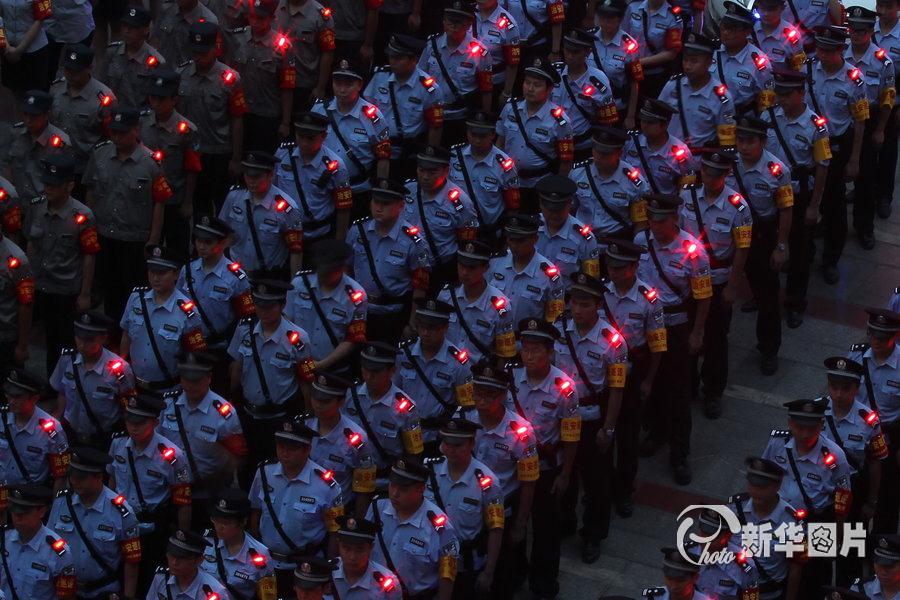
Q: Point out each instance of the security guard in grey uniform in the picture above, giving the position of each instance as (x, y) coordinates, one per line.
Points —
(131, 62)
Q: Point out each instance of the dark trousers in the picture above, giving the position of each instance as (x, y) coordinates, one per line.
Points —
(261, 133)
(176, 231)
(848, 568)
(592, 472)
(713, 372)
(887, 160)
(120, 268)
(865, 188)
(545, 537)
(670, 406)
(153, 554)
(57, 311)
(511, 563)
(834, 201)
(765, 284)
(628, 426)
(802, 249)
(889, 492)
(213, 183)
(29, 73)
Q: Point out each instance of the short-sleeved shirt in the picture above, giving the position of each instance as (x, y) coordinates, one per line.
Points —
(890, 41)
(464, 64)
(818, 479)
(550, 134)
(745, 80)
(310, 29)
(730, 581)
(448, 376)
(16, 288)
(347, 452)
(783, 45)
(211, 100)
(202, 585)
(727, 225)
(885, 378)
(38, 572)
(494, 181)
(618, 195)
(81, 114)
(344, 307)
(396, 427)
(774, 562)
(766, 186)
(350, 17)
(127, 73)
(41, 446)
(243, 574)
(419, 103)
(587, 101)
(615, 57)
(265, 71)
(836, 97)
(663, 27)
(72, 21)
(18, 17)
(509, 450)
(877, 69)
(171, 30)
(805, 141)
(448, 216)
(369, 585)
(708, 115)
(26, 154)
(489, 319)
(499, 33)
(534, 18)
(223, 294)
(178, 140)
(573, 246)
(534, 292)
(637, 315)
(859, 440)
(813, 13)
(666, 168)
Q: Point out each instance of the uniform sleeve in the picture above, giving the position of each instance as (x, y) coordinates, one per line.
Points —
(887, 90)
(859, 104)
(363, 467)
(843, 496)
(341, 192)
(56, 378)
(569, 417)
(88, 241)
(725, 128)
(255, 494)
(64, 577)
(556, 12)
(130, 537)
(411, 433)
(192, 339)
(701, 282)
(617, 367)
(180, 479)
(161, 191)
(434, 107)
(784, 191)
(305, 363)
(565, 143)
(655, 327)
(191, 152)
(742, 229)
(504, 115)
(334, 508)
(381, 138)
(325, 36)
(876, 448)
(448, 554)
(466, 219)
(356, 330)
(505, 335)
(22, 278)
(237, 103)
(59, 455)
(527, 462)
(821, 148)
(418, 261)
(292, 227)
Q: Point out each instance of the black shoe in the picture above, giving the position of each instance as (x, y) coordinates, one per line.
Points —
(883, 210)
(590, 553)
(866, 240)
(682, 473)
(624, 507)
(712, 407)
(768, 364)
(749, 306)
(794, 318)
(831, 274)
(648, 447)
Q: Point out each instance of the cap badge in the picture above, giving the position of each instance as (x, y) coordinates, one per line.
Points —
(581, 278)
(429, 151)
(263, 289)
(159, 81)
(132, 12)
(401, 464)
(53, 168)
(431, 305)
(73, 56)
(205, 220)
(470, 247)
(306, 568)
(808, 407)
(842, 364)
(157, 252)
(532, 324)
(488, 372)
(179, 535)
(198, 38)
(692, 38)
(883, 542)
(223, 503)
(351, 523)
(118, 118)
(322, 380)
(14, 375)
(132, 402)
(345, 64)
(30, 100)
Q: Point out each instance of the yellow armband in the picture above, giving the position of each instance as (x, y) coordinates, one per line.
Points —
(784, 196)
(265, 588)
(615, 375)
(505, 344)
(701, 287)
(528, 469)
(797, 60)
(726, 134)
(570, 429)
(765, 99)
(412, 440)
(331, 516)
(821, 150)
(493, 515)
(742, 235)
(553, 309)
(657, 340)
(887, 98)
(464, 396)
(447, 567)
(860, 110)
(591, 266)
(638, 211)
(364, 480)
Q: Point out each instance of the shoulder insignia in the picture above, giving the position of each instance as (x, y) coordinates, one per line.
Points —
(146, 112)
(382, 69)
(58, 80)
(119, 503)
(409, 342)
(513, 364)
(897, 290)
(162, 570)
(584, 163)
(20, 124)
(236, 186)
(738, 498)
(782, 433)
(67, 352)
(184, 64)
(63, 492)
(676, 77)
(633, 174)
(172, 393)
(114, 44)
(455, 146)
(248, 321)
(36, 200)
(362, 220)
(653, 592)
(240, 29)
(859, 347)
(289, 145)
(223, 408)
(413, 232)
(559, 114)
(120, 434)
(141, 289)
(103, 143)
(436, 460)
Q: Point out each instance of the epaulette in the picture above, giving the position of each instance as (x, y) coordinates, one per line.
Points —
(119, 503)
(408, 342)
(859, 347)
(897, 290)
(223, 408)
(455, 146)
(289, 145)
(114, 44)
(19, 124)
(738, 498)
(434, 35)
(184, 64)
(676, 77)
(146, 112)
(58, 80)
(162, 569)
(382, 69)
(304, 272)
(101, 144)
(435, 460)
(319, 101)
(559, 66)
(413, 232)
(237, 186)
(863, 581)
(63, 492)
(513, 364)
(36, 200)
(782, 433)
(67, 352)
(460, 354)
(653, 592)
(584, 163)
(172, 393)
(691, 186)
(249, 321)
(240, 29)
(268, 461)
(119, 434)
(141, 289)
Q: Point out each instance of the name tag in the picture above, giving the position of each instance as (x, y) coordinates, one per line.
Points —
(594, 355)
(339, 312)
(470, 501)
(220, 289)
(417, 542)
(171, 328)
(282, 356)
(307, 500)
(533, 288)
(397, 253)
(723, 220)
(500, 446)
(103, 527)
(207, 429)
(813, 476)
(855, 437)
(705, 110)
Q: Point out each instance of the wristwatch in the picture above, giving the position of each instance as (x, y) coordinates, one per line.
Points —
(781, 246)
(610, 432)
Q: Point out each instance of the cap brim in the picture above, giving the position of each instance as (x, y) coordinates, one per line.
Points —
(197, 47)
(138, 417)
(55, 179)
(180, 552)
(122, 126)
(283, 438)
(32, 109)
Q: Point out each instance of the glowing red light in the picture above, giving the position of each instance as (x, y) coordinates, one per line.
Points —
(293, 337)
(454, 194)
(116, 366)
(676, 10)
(721, 89)
(552, 271)
(502, 22)
(158, 156)
(679, 152)
(404, 405)
(354, 439)
(690, 248)
(791, 34)
(557, 112)
(12, 262)
(507, 164)
(328, 475)
(333, 165)
(234, 267)
(2, 194)
(439, 520)
(282, 42)
(800, 513)
(485, 482)
(259, 560)
(387, 584)
(187, 306)
(775, 169)
(634, 174)
(326, 12)
(370, 111)
(212, 596)
(462, 356)
(499, 302)
(47, 425)
(820, 121)
(631, 46)
(168, 454)
(880, 54)
(183, 127)
(224, 409)
(760, 60)
(58, 545)
(229, 77)
(588, 90)
(741, 557)
(428, 81)
(105, 100)
(80, 219)
(474, 48)
(585, 230)
(829, 459)
(281, 204)
(871, 418)
(357, 295)
(56, 141)
(651, 294)
(151, 61)
(119, 500)
(855, 74)
(615, 339)
(413, 230)
(735, 199)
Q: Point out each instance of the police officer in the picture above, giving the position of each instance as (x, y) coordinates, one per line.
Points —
(887, 36)
(765, 183)
(309, 27)
(720, 219)
(390, 260)
(761, 504)
(480, 314)
(82, 105)
(268, 234)
(472, 497)
(877, 70)
(127, 190)
(131, 62)
(541, 25)
(174, 141)
(608, 189)
(677, 266)
(233, 556)
(799, 138)
(818, 478)
(34, 448)
(433, 370)
(330, 306)
(357, 131)
(880, 359)
(33, 139)
(487, 174)
(158, 321)
(99, 526)
(408, 520)
(154, 477)
(29, 546)
(529, 279)
(546, 396)
(498, 31)
(91, 382)
(735, 580)
(442, 211)
(664, 160)
(271, 368)
(62, 247)
(657, 28)
(536, 132)
(841, 99)
(357, 575)
(680, 576)
(778, 39)
(387, 413)
(172, 32)
(294, 502)
(462, 65)
(616, 53)
(182, 578)
(211, 95)
(705, 105)
(411, 99)
(743, 63)
(886, 558)
(342, 446)
(312, 578)
(316, 178)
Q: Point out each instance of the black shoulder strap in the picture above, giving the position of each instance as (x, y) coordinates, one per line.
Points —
(189, 277)
(531, 19)
(870, 389)
(645, 25)
(257, 361)
(832, 427)
(809, 79)
(465, 326)
(254, 235)
(425, 228)
(574, 99)
(470, 189)
(98, 558)
(781, 141)
(596, 191)
(451, 85)
(384, 548)
(150, 334)
(182, 433)
(740, 183)
(386, 456)
(429, 385)
(608, 312)
(796, 15)
(301, 195)
(518, 117)
(395, 110)
(513, 391)
(220, 569)
(793, 462)
(704, 237)
(267, 498)
(12, 447)
(636, 139)
(318, 308)
(79, 388)
(5, 559)
(662, 274)
(578, 366)
(432, 477)
(373, 270)
(137, 481)
(679, 96)
(347, 149)
(719, 67)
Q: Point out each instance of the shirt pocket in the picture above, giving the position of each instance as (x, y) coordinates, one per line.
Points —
(489, 186)
(107, 534)
(307, 513)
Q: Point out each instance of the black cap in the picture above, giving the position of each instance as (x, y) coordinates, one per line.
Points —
(807, 410)
(331, 253)
(230, 503)
(328, 386)
(519, 225)
(555, 191)
(29, 495)
(735, 14)
(351, 529)
(388, 190)
(92, 322)
(270, 291)
(657, 110)
(787, 79)
(709, 522)
(21, 382)
(295, 431)
(886, 548)
(142, 407)
(458, 430)
(36, 102)
(486, 374)
(621, 252)
(676, 566)
(77, 57)
(433, 155)
(405, 45)
(460, 9)
(838, 367)
(434, 312)
(608, 140)
(89, 460)
(584, 284)
(58, 168)
(124, 118)
(717, 160)
(861, 17)
(831, 37)
(136, 16)
(883, 321)
(611, 8)
(662, 206)
(312, 572)
(753, 126)
(537, 330)
(194, 366)
(164, 82)
(377, 356)
(265, 8)
(345, 69)
(579, 39)
(543, 69)
(481, 121)
(186, 544)
(209, 227)
(474, 253)
(310, 122)
(163, 257)
(408, 472)
(762, 471)
(770, 3)
(261, 162)
(202, 36)
(697, 42)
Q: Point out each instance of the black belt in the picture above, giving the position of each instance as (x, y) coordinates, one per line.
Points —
(388, 300)
(715, 263)
(583, 137)
(675, 309)
(155, 385)
(529, 173)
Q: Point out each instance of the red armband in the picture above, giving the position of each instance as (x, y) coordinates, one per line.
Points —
(288, 78)
(12, 220)
(326, 40)
(356, 332)
(161, 190)
(842, 500)
(485, 81)
(878, 447)
(242, 304)
(373, 4)
(420, 278)
(306, 369)
(4, 497)
(511, 198)
(512, 54)
(434, 115)
(192, 163)
(59, 464)
(294, 240)
(237, 104)
(41, 9)
(2, 38)
(343, 198)
(383, 149)
(608, 114)
(566, 149)
(25, 291)
(65, 586)
(131, 550)
(673, 40)
(556, 12)
(636, 71)
(193, 340)
(181, 494)
(88, 241)
(235, 444)
(464, 234)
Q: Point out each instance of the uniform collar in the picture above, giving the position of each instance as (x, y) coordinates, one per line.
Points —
(303, 476)
(388, 397)
(739, 57)
(530, 269)
(105, 356)
(481, 302)
(811, 456)
(463, 45)
(48, 132)
(98, 504)
(169, 304)
(393, 234)
(852, 415)
(219, 269)
(491, 18)
(85, 92)
(894, 32)
(719, 201)
(594, 335)
(565, 232)
(488, 159)
(645, 6)
(193, 590)
(63, 211)
(315, 160)
(279, 334)
(632, 294)
(140, 56)
(442, 469)
(417, 519)
(194, 14)
(893, 360)
(202, 406)
(356, 111)
(170, 124)
(135, 156)
(545, 386)
(35, 542)
(364, 582)
(241, 555)
(150, 449)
